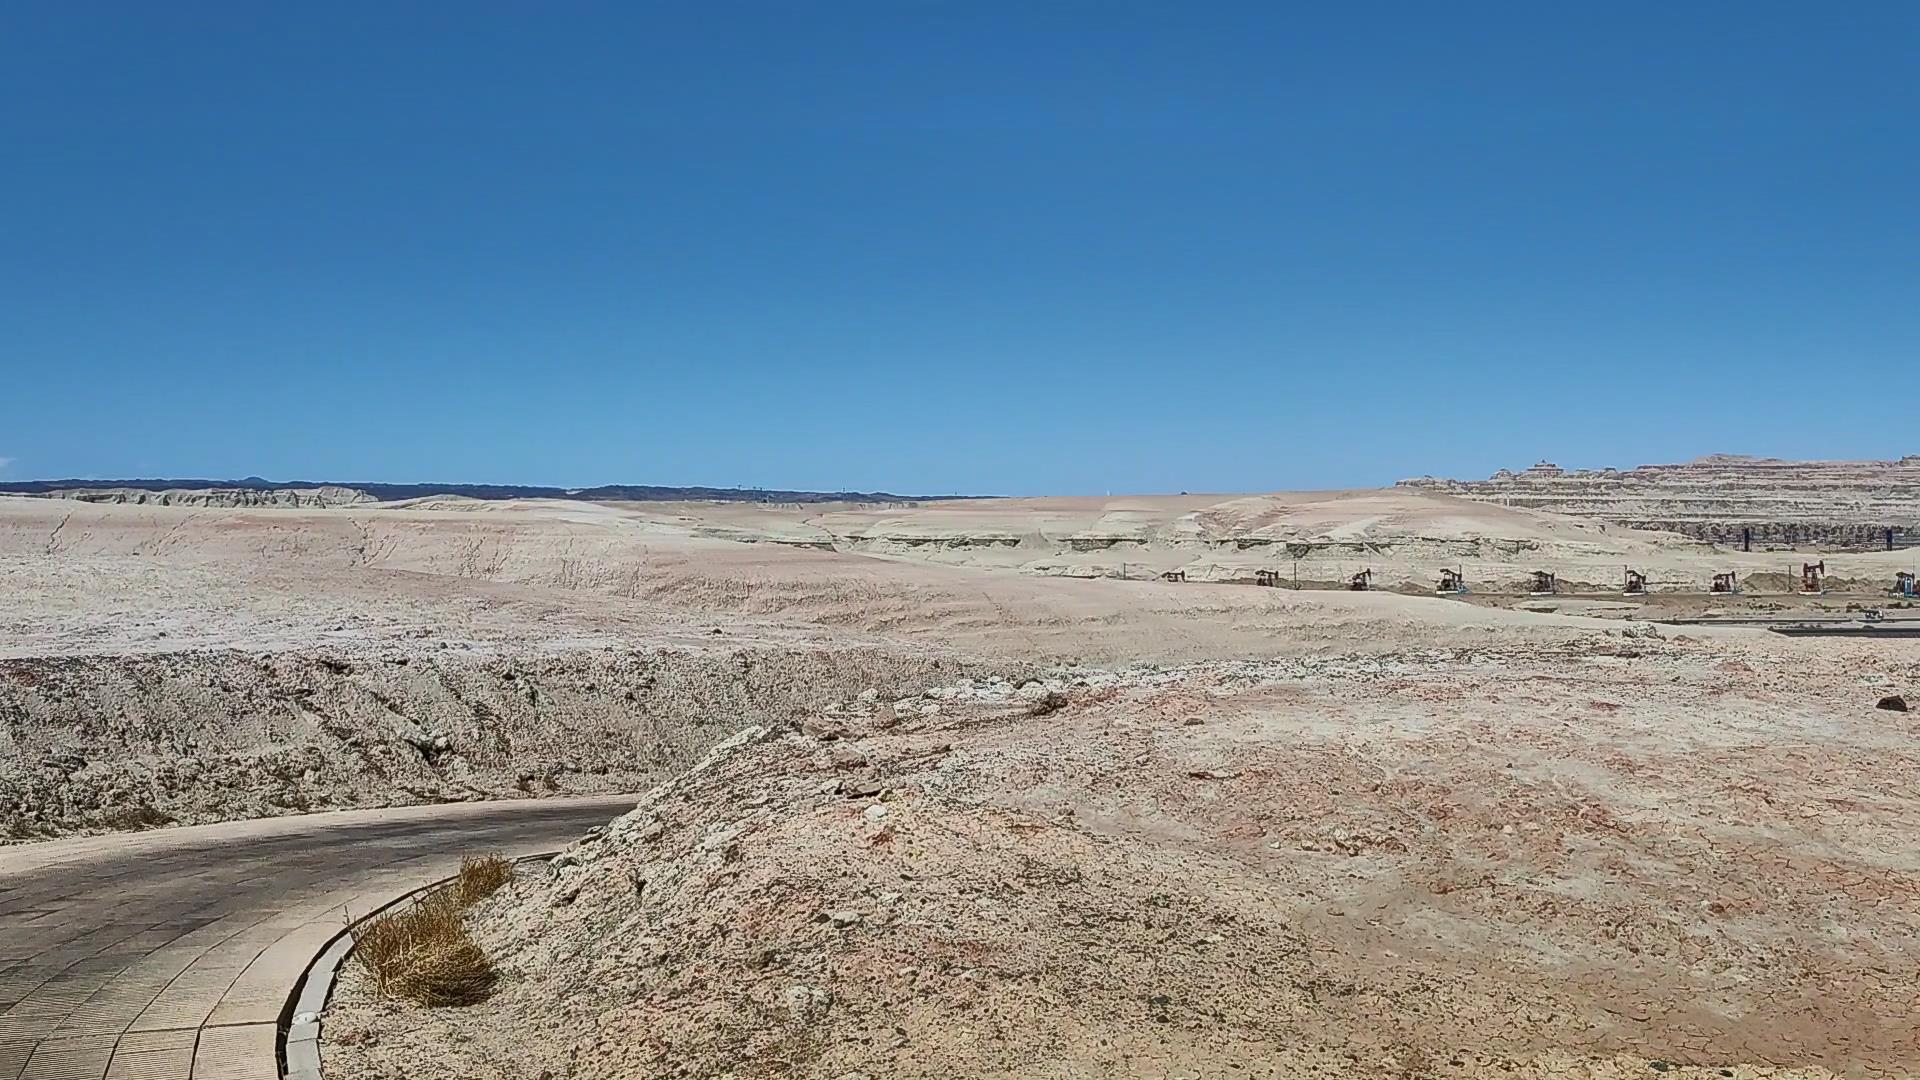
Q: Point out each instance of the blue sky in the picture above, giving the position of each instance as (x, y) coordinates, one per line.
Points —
(982, 247)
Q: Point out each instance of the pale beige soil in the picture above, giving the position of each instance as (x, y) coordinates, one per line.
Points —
(1462, 861)
(88, 579)
(1267, 832)
(165, 664)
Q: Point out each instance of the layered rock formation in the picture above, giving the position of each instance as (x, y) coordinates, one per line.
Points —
(93, 743)
(1834, 505)
(218, 497)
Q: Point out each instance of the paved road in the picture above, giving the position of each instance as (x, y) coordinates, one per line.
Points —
(168, 955)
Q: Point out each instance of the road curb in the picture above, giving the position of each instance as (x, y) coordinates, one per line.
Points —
(297, 1039)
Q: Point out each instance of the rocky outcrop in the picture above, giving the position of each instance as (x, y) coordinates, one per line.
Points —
(1834, 505)
(308, 498)
(108, 742)
(1315, 868)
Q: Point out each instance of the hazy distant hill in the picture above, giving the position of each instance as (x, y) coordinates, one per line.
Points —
(386, 492)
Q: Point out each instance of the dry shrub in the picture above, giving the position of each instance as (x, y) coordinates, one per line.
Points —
(480, 877)
(132, 818)
(1414, 1063)
(1048, 703)
(423, 952)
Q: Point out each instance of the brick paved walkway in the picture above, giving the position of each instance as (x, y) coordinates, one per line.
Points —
(168, 955)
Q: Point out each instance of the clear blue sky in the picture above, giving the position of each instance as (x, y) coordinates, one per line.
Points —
(1023, 247)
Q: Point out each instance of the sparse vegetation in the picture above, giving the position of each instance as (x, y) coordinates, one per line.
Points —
(1414, 1063)
(480, 877)
(1048, 703)
(134, 817)
(423, 952)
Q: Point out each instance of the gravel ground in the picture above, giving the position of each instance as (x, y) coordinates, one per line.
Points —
(1194, 830)
(1617, 856)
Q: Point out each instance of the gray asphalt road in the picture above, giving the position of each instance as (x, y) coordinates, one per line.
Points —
(167, 955)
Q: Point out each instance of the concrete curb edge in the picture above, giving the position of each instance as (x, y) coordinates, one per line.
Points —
(297, 1042)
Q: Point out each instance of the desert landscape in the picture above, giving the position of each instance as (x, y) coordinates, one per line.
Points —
(1726, 498)
(1035, 787)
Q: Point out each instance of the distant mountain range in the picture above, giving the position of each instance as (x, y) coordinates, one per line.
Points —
(389, 492)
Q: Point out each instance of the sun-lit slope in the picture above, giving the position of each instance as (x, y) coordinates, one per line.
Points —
(1391, 515)
(992, 576)
(1403, 535)
(129, 578)
(1319, 515)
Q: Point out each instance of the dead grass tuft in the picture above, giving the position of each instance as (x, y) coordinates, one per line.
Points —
(1414, 1063)
(480, 877)
(133, 818)
(423, 952)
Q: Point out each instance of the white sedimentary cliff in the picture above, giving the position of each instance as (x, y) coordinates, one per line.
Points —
(1831, 504)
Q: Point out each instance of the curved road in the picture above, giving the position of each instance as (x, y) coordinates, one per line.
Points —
(168, 955)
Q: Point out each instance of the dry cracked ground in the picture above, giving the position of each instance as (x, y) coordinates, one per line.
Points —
(926, 820)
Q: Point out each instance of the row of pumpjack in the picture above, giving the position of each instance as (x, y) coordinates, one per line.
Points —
(1454, 582)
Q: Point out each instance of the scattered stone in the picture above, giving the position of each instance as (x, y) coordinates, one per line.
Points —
(845, 919)
(65, 763)
(722, 837)
(823, 729)
(1893, 703)
(807, 1004)
(1047, 703)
